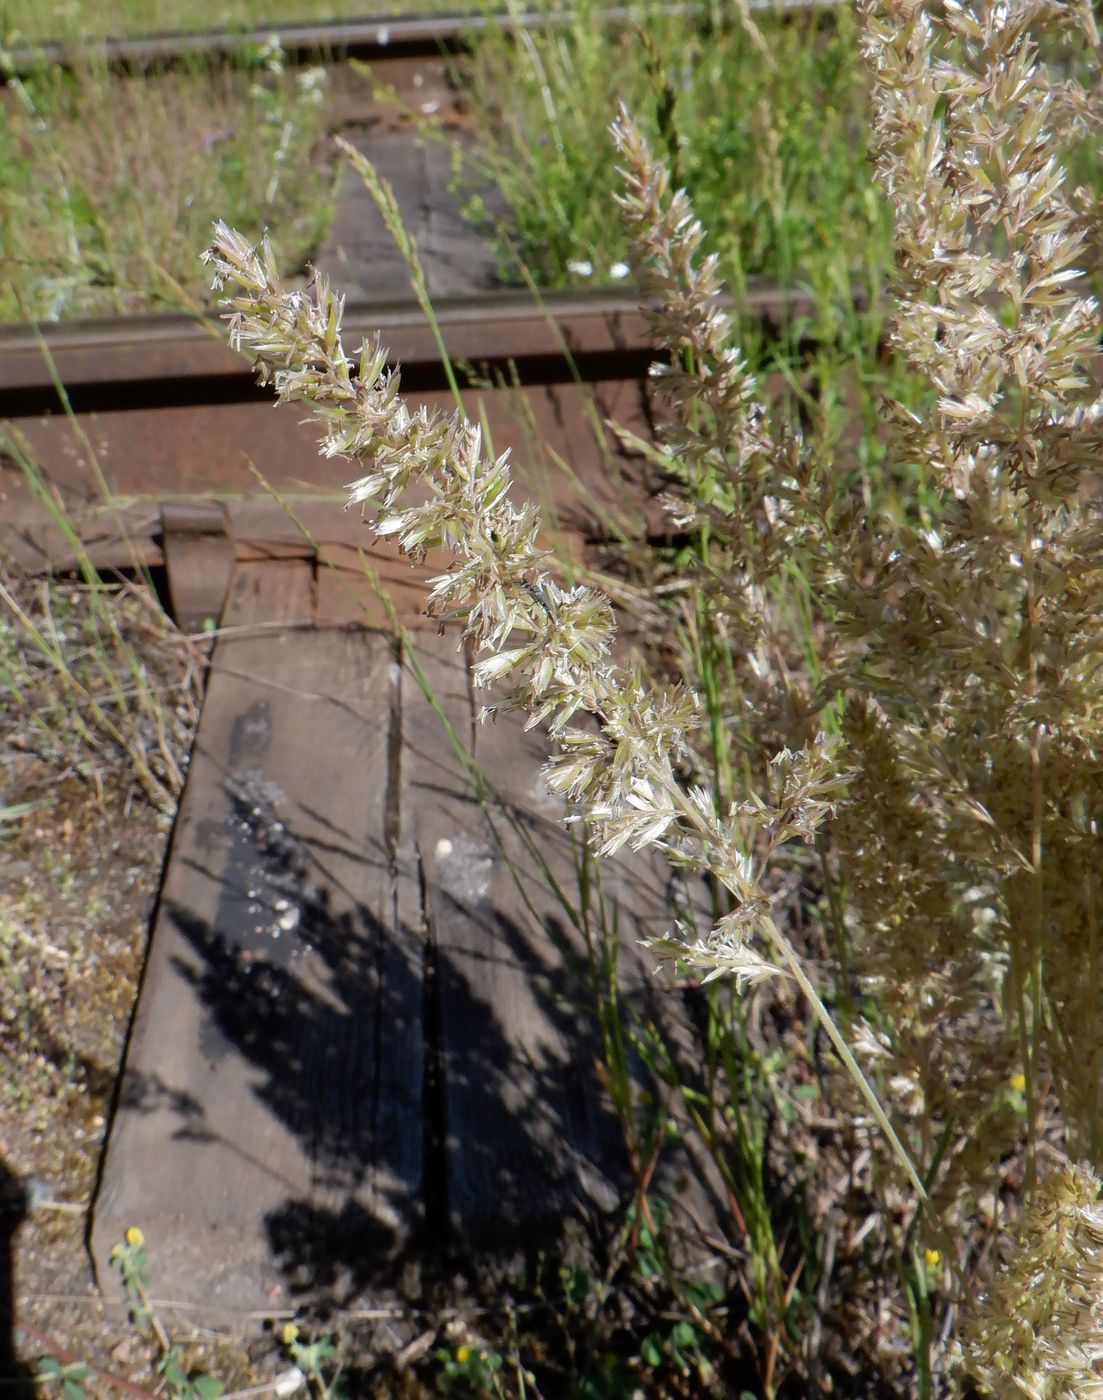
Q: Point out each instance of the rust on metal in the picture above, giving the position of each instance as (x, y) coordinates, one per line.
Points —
(167, 360)
(372, 40)
(238, 448)
(173, 359)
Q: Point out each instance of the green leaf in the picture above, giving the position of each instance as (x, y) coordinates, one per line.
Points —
(648, 1266)
(72, 1390)
(684, 1334)
(170, 1369)
(705, 1293)
(49, 1366)
(651, 1351)
(207, 1387)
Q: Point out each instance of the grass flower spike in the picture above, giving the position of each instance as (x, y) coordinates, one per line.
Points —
(552, 644)
(1037, 1331)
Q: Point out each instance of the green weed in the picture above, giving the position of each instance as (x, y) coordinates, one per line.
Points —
(181, 1381)
(776, 174)
(69, 1377)
(318, 1360)
(106, 180)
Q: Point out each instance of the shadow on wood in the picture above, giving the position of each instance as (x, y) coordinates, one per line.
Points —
(360, 1050)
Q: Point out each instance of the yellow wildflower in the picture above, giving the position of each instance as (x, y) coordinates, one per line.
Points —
(134, 1237)
(289, 1334)
(933, 1258)
(463, 1354)
(1018, 1082)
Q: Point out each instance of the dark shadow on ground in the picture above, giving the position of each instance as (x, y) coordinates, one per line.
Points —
(436, 1146)
(15, 1379)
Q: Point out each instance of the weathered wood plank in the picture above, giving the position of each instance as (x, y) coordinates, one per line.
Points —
(269, 1134)
(111, 536)
(359, 255)
(591, 927)
(348, 595)
(199, 560)
(522, 1136)
(266, 528)
(369, 583)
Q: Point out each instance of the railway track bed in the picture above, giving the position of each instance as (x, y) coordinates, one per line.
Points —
(356, 1048)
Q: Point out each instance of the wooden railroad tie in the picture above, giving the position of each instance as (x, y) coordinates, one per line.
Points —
(359, 1039)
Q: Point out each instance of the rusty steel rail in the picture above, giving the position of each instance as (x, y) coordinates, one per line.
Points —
(157, 410)
(160, 448)
(372, 40)
(149, 449)
(175, 360)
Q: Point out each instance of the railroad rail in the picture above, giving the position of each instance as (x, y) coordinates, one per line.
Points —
(371, 40)
(173, 359)
(166, 360)
(158, 408)
(152, 433)
(155, 443)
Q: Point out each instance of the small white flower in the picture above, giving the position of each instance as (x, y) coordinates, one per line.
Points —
(619, 271)
(580, 267)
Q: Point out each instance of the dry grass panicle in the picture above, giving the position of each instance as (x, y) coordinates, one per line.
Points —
(908, 689)
(981, 711)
